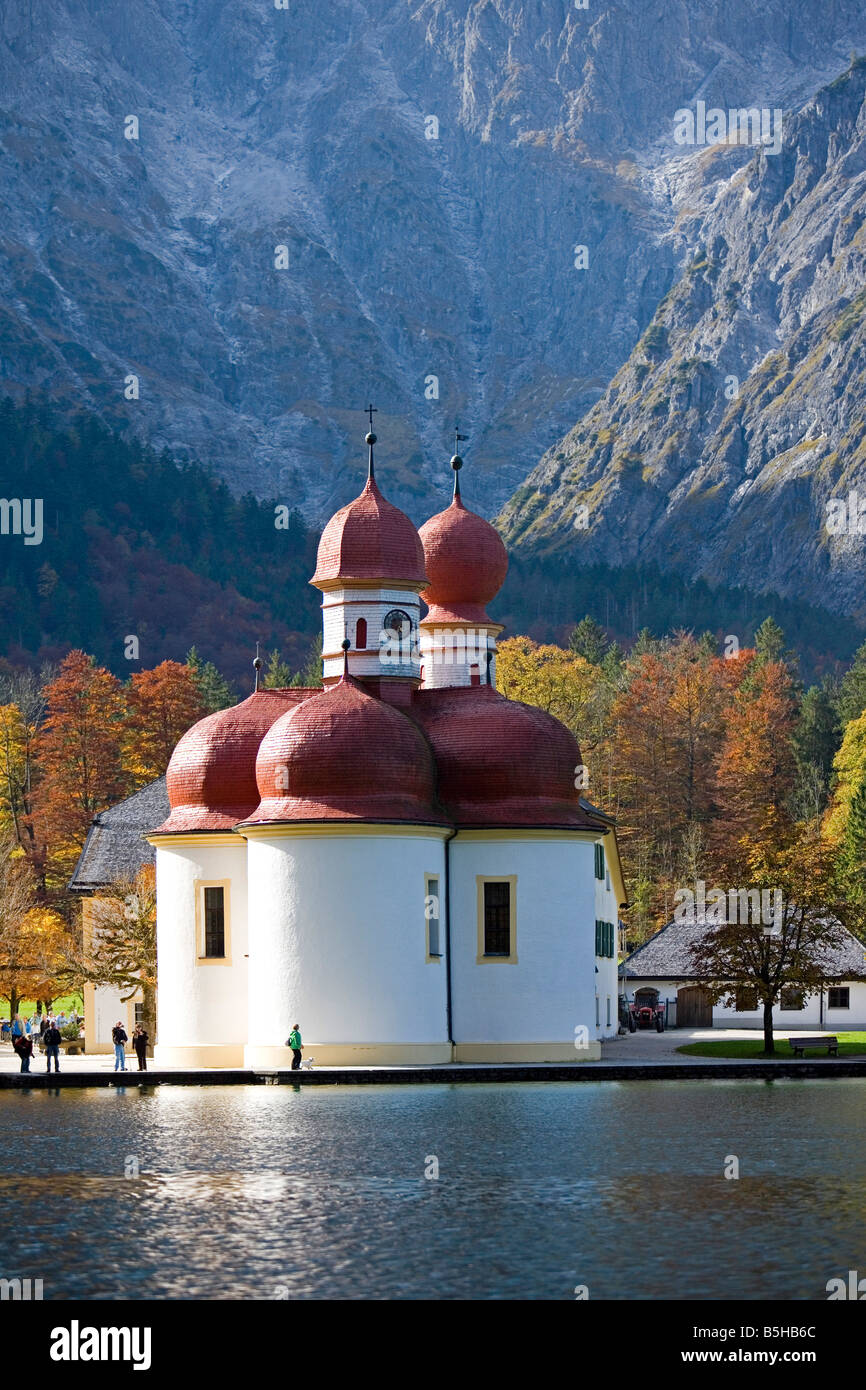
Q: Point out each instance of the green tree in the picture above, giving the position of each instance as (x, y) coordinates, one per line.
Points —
(310, 675)
(770, 646)
(278, 674)
(851, 700)
(645, 644)
(815, 740)
(589, 640)
(213, 688)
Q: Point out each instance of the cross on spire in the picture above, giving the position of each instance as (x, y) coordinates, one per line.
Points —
(457, 462)
(370, 440)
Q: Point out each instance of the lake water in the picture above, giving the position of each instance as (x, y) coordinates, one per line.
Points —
(266, 1192)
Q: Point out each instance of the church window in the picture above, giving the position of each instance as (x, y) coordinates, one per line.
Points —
(839, 997)
(214, 922)
(599, 861)
(474, 675)
(432, 916)
(497, 923)
(361, 634)
(213, 937)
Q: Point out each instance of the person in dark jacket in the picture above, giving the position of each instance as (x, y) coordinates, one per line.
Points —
(51, 1038)
(24, 1049)
(139, 1041)
(120, 1039)
(43, 1024)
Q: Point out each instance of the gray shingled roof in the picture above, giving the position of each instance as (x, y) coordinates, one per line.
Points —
(114, 848)
(667, 955)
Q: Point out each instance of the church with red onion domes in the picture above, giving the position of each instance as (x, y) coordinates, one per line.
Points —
(401, 861)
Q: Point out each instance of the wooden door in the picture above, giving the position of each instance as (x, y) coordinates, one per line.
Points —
(694, 1007)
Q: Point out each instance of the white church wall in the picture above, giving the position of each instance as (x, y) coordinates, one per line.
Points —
(201, 1003)
(606, 967)
(338, 944)
(456, 656)
(529, 1009)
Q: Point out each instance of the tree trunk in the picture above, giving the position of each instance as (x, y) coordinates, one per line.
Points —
(148, 1010)
(769, 1045)
(14, 1001)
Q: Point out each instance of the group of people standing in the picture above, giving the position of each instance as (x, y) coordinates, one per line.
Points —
(43, 1027)
(120, 1038)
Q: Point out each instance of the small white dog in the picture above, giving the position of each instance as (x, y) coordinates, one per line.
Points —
(307, 1064)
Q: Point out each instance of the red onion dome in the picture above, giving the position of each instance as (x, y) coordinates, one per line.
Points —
(501, 763)
(342, 757)
(211, 778)
(466, 562)
(370, 539)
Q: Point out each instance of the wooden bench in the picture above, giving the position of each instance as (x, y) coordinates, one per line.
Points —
(831, 1043)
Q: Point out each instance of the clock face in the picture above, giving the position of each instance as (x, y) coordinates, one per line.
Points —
(399, 623)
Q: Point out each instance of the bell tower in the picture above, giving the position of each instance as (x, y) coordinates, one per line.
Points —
(370, 570)
(466, 562)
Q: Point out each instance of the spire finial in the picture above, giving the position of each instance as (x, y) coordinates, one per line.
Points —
(457, 462)
(370, 439)
(257, 666)
(345, 644)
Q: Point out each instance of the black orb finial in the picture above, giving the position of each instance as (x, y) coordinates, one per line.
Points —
(370, 440)
(457, 462)
(345, 644)
(257, 666)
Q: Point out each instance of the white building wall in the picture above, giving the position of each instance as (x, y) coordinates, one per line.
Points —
(201, 1004)
(852, 1019)
(607, 967)
(531, 1009)
(341, 609)
(338, 944)
(450, 656)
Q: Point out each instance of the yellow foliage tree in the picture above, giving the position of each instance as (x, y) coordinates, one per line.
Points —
(562, 683)
(849, 768)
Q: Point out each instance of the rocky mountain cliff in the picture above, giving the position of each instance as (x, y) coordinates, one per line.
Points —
(730, 446)
(429, 167)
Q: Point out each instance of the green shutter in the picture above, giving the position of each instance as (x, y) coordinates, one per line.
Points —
(599, 861)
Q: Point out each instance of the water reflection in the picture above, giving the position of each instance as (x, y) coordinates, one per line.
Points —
(243, 1192)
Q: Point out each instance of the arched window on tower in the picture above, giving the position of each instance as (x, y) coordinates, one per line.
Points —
(361, 635)
(474, 675)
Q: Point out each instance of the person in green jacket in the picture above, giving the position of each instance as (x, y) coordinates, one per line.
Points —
(296, 1045)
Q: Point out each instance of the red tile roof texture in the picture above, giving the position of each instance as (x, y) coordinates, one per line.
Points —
(466, 563)
(346, 756)
(370, 539)
(501, 763)
(211, 778)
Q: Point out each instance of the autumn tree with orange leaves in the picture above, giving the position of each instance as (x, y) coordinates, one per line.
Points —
(756, 766)
(79, 749)
(162, 704)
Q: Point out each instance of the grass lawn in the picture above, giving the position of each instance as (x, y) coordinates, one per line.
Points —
(850, 1045)
(27, 1007)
